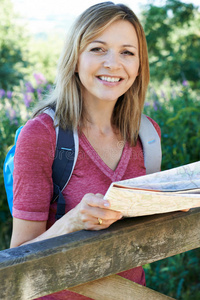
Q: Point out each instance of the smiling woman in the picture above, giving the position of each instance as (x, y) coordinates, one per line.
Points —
(108, 67)
(88, 28)
(100, 90)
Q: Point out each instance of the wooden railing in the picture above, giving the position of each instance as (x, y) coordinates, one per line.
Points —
(85, 261)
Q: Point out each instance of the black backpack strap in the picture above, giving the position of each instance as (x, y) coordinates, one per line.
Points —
(62, 167)
(67, 145)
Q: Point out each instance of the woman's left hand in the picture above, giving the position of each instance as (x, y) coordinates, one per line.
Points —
(92, 213)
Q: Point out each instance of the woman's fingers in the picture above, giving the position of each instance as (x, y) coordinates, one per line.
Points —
(94, 212)
(94, 224)
(97, 212)
(95, 200)
(96, 206)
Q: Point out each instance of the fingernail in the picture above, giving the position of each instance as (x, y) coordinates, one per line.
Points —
(106, 204)
(121, 216)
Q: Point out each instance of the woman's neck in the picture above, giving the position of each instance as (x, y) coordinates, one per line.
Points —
(98, 117)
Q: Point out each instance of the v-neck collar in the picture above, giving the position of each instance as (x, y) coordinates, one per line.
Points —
(118, 173)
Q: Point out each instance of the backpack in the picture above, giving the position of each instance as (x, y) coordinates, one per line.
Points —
(66, 155)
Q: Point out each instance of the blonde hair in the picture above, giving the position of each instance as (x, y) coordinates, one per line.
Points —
(66, 96)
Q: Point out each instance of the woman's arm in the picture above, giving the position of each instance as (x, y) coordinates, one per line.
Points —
(84, 216)
(24, 231)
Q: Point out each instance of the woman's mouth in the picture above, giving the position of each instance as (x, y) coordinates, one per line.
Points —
(109, 79)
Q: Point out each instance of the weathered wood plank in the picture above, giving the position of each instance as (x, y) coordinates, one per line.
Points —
(30, 271)
(115, 287)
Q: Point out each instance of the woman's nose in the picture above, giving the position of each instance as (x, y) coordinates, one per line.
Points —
(112, 60)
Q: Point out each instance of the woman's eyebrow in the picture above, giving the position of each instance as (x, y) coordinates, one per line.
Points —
(104, 43)
(128, 45)
(98, 41)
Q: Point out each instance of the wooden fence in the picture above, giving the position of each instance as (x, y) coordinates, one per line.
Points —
(85, 261)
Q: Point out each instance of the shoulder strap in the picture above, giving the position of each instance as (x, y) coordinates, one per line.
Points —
(64, 161)
(151, 145)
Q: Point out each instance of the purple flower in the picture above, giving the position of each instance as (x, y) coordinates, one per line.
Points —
(39, 94)
(185, 83)
(29, 87)
(9, 94)
(155, 106)
(27, 99)
(40, 79)
(49, 87)
(163, 94)
(2, 93)
(11, 114)
(146, 104)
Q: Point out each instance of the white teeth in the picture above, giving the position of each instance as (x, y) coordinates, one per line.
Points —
(109, 79)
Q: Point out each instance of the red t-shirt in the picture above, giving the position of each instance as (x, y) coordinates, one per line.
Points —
(33, 187)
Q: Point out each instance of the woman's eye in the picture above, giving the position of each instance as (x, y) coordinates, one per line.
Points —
(96, 49)
(128, 53)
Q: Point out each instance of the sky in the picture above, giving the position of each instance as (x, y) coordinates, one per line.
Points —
(48, 15)
(40, 8)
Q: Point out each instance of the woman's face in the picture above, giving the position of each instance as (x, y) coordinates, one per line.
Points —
(109, 65)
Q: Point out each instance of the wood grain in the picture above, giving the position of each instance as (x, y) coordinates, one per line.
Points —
(115, 287)
(38, 269)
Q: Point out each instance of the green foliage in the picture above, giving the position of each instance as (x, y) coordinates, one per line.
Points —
(176, 110)
(173, 37)
(13, 47)
(22, 55)
(8, 126)
(43, 56)
(15, 110)
(177, 276)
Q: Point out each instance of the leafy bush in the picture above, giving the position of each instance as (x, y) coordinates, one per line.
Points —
(9, 123)
(13, 47)
(15, 110)
(172, 33)
(22, 54)
(177, 276)
(176, 109)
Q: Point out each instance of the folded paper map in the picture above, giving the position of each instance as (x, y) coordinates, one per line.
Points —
(162, 192)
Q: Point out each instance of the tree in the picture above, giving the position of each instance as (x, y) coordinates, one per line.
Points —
(13, 47)
(173, 38)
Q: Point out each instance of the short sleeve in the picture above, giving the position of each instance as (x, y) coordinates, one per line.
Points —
(32, 177)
